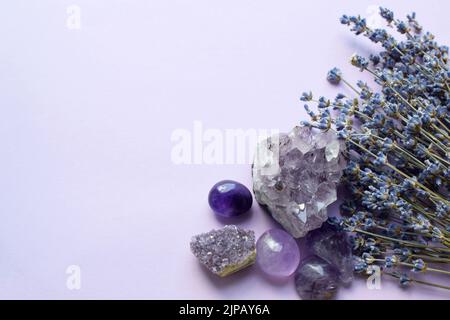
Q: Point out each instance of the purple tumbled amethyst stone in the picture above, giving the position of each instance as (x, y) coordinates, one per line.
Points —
(316, 279)
(230, 198)
(277, 253)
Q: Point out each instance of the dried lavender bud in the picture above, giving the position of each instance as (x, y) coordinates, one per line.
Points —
(398, 171)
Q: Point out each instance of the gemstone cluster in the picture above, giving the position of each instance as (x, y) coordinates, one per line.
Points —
(226, 250)
(295, 177)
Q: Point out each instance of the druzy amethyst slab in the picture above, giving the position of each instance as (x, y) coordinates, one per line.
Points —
(278, 254)
(316, 279)
(226, 250)
(333, 245)
(230, 198)
(295, 177)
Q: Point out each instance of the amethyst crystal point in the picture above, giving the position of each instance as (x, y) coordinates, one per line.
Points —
(225, 251)
(277, 253)
(333, 246)
(316, 279)
(230, 198)
(295, 177)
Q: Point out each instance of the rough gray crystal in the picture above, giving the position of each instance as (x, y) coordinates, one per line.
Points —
(225, 251)
(295, 177)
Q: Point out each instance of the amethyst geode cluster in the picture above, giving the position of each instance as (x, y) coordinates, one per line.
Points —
(295, 176)
(226, 250)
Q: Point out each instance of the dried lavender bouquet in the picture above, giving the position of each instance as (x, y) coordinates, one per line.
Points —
(398, 148)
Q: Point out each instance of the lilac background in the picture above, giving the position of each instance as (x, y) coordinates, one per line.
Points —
(86, 176)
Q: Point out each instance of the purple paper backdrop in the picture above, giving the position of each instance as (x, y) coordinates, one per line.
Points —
(87, 117)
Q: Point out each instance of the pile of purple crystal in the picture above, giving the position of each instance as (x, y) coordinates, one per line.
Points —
(330, 263)
(295, 176)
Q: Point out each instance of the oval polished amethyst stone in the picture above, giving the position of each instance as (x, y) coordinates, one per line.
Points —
(230, 198)
(277, 253)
